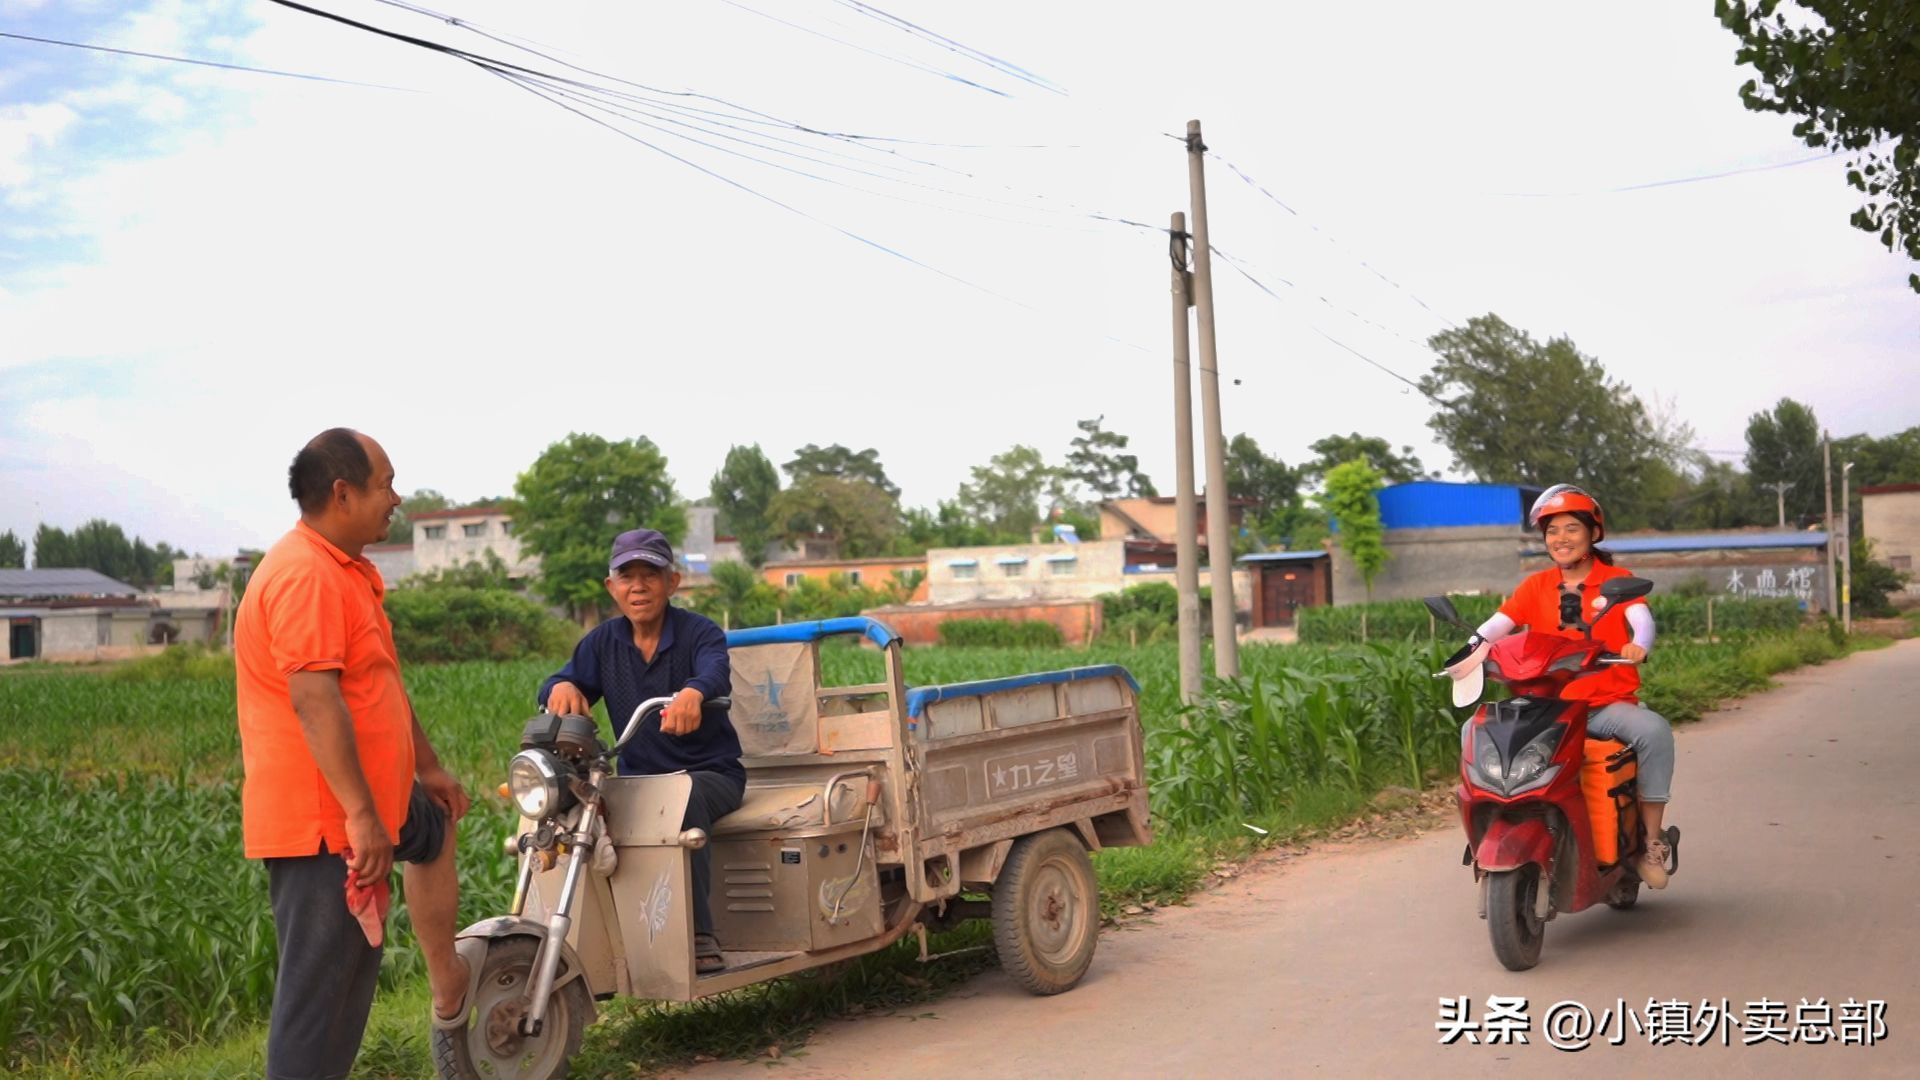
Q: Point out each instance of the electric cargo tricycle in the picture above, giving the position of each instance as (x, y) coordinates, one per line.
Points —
(871, 812)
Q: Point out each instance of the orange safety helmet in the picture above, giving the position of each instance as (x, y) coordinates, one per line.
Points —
(1566, 499)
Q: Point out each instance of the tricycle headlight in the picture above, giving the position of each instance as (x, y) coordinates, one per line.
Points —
(533, 782)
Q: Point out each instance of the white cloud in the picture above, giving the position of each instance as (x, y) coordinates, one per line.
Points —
(25, 129)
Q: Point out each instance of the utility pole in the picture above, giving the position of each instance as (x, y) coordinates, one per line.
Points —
(1826, 479)
(1226, 646)
(1185, 513)
(1780, 497)
(1846, 551)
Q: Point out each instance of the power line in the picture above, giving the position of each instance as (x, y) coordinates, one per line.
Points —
(199, 62)
(601, 105)
(994, 62)
(535, 82)
(748, 114)
(1323, 234)
(876, 13)
(915, 64)
(1265, 288)
(730, 182)
(1648, 185)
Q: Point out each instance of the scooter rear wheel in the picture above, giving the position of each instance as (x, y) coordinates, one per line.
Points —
(1516, 932)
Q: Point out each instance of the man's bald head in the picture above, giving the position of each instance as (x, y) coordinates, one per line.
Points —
(334, 454)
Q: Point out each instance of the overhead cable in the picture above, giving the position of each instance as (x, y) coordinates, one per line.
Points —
(1003, 66)
(199, 62)
(1675, 181)
(915, 64)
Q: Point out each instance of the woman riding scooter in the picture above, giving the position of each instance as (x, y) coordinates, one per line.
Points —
(1553, 601)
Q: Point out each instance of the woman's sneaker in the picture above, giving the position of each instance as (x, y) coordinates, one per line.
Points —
(1652, 866)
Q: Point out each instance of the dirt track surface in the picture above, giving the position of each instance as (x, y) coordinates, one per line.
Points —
(1800, 877)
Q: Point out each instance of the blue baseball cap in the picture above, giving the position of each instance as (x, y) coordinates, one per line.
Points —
(646, 545)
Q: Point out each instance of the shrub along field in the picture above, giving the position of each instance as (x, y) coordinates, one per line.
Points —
(133, 927)
(1676, 616)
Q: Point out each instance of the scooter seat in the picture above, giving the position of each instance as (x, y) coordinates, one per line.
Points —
(790, 807)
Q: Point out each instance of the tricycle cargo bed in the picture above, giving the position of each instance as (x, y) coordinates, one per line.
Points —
(1059, 745)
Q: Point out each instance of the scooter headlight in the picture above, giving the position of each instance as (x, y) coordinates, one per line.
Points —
(533, 782)
(1531, 768)
(1535, 756)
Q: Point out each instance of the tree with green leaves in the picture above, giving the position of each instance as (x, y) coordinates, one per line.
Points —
(1872, 581)
(856, 512)
(577, 496)
(1395, 468)
(843, 464)
(400, 526)
(737, 598)
(1098, 461)
(946, 525)
(1006, 494)
(743, 492)
(102, 546)
(1516, 411)
(13, 553)
(1269, 484)
(1264, 481)
(1894, 459)
(1352, 499)
(1847, 69)
(51, 548)
(1783, 446)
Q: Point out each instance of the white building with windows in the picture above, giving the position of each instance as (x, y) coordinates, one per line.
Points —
(444, 539)
(1027, 571)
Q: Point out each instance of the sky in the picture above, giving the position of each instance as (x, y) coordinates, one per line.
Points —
(201, 268)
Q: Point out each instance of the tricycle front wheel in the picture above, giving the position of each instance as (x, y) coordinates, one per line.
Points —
(1046, 912)
(492, 1046)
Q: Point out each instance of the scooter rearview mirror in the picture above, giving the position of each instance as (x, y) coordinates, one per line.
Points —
(1622, 589)
(1442, 609)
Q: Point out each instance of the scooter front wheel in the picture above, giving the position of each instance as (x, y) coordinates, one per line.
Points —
(491, 1046)
(1516, 931)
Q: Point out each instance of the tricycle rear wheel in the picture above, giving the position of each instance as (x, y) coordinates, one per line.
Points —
(1046, 912)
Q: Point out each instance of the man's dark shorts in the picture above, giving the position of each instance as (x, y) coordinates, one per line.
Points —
(324, 989)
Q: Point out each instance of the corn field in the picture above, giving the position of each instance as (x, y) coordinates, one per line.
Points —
(1408, 620)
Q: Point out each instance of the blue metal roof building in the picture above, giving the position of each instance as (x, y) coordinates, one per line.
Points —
(1439, 504)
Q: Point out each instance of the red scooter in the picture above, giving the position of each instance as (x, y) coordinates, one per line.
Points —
(1552, 817)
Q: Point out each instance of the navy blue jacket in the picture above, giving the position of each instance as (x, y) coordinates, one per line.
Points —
(692, 652)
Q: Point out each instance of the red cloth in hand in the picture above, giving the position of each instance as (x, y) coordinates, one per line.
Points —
(369, 904)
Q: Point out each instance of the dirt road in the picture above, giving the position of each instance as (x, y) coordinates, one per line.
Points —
(1800, 877)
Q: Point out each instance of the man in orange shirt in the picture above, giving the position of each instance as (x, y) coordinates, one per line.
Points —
(340, 778)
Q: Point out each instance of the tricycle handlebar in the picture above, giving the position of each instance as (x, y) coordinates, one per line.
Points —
(652, 705)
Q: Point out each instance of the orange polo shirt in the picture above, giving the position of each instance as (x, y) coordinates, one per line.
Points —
(312, 607)
(1536, 605)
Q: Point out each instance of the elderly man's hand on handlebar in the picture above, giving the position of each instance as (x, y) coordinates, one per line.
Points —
(566, 698)
(682, 714)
